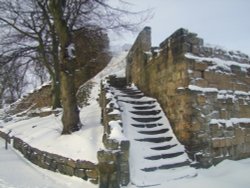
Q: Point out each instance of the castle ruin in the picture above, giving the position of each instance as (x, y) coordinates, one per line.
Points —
(204, 91)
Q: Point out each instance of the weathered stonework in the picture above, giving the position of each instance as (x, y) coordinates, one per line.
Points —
(199, 95)
(113, 161)
(79, 168)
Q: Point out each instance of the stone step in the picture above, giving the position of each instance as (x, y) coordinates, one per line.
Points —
(146, 113)
(144, 107)
(147, 120)
(150, 125)
(164, 147)
(161, 131)
(167, 166)
(164, 156)
(131, 96)
(155, 140)
(130, 91)
(138, 102)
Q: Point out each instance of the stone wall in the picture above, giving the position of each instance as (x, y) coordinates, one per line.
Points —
(204, 92)
(113, 161)
(37, 99)
(79, 168)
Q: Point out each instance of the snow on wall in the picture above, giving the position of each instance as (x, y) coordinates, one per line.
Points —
(202, 90)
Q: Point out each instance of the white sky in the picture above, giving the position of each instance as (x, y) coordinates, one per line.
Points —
(219, 22)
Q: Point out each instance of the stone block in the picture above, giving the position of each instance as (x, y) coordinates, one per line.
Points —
(220, 142)
(239, 136)
(195, 50)
(235, 69)
(85, 164)
(71, 163)
(229, 142)
(92, 174)
(201, 99)
(240, 87)
(104, 156)
(107, 167)
(216, 143)
(53, 166)
(94, 181)
(80, 173)
(48, 160)
(224, 114)
(114, 117)
(200, 66)
(201, 83)
(124, 145)
(110, 143)
(197, 74)
(64, 169)
(247, 138)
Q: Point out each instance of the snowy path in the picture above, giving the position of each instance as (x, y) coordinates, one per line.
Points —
(156, 156)
(16, 172)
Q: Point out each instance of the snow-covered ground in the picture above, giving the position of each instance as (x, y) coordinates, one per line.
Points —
(228, 174)
(17, 172)
(44, 133)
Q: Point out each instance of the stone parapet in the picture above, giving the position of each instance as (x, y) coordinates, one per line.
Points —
(113, 161)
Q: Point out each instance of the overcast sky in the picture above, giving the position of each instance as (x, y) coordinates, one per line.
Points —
(220, 22)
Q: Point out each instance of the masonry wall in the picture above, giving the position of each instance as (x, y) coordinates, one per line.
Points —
(206, 102)
(79, 168)
(114, 160)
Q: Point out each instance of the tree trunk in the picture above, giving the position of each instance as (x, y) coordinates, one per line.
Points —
(70, 119)
(56, 89)
(56, 96)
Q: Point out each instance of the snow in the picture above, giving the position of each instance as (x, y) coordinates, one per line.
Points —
(227, 174)
(116, 131)
(221, 94)
(230, 122)
(45, 134)
(114, 112)
(17, 172)
(139, 151)
(218, 63)
(71, 51)
(197, 88)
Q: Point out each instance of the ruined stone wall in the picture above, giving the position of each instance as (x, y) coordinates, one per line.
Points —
(37, 99)
(204, 92)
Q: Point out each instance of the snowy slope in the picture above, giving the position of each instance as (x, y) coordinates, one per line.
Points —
(45, 133)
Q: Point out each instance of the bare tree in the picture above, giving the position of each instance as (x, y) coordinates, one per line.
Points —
(13, 83)
(28, 28)
(45, 29)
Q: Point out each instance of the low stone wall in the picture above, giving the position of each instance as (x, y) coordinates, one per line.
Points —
(80, 168)
(113, 161)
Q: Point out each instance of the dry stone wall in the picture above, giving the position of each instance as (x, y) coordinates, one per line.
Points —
(204, 91)
(113, 161)
(79, 168)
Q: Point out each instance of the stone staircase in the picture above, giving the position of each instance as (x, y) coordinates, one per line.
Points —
(156, 156)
